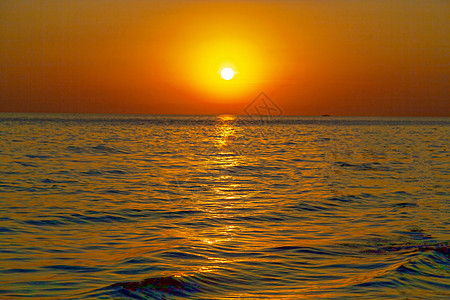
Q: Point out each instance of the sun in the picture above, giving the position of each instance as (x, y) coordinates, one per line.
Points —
(227, 73)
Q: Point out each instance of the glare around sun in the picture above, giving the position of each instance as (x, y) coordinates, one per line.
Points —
(227, 73)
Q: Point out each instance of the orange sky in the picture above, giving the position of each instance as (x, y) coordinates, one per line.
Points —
(311, 57)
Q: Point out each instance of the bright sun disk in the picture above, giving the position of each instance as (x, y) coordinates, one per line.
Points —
(227, 73)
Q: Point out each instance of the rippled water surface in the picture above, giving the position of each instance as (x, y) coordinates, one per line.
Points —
(223, 207)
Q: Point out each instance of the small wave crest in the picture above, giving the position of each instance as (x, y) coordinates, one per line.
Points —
(174, 287)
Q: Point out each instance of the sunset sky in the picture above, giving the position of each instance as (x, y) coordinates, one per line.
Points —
(367, 58)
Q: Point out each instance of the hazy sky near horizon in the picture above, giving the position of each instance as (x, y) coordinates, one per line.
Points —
(385, 58)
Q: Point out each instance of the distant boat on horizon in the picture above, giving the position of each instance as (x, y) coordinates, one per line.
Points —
(325, 115)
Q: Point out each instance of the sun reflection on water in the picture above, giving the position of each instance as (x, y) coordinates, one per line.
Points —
(226, 197)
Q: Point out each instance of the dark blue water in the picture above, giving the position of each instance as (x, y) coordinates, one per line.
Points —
(223, 207)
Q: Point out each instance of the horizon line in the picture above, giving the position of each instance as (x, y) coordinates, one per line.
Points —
(224, 114)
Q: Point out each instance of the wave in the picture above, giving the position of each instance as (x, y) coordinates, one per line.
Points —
(165, 287)
(410, 248)
(98, 149)
(424, 268)
(423, 274)
(170, 285)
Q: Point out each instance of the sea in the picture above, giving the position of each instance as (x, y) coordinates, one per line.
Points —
(97, 206)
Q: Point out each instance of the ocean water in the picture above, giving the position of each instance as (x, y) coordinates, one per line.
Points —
(223, 207)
